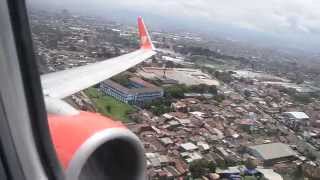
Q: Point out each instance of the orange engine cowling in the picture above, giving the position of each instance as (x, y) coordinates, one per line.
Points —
(91, 146)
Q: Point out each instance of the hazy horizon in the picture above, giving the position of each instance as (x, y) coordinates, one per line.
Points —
(279, 23)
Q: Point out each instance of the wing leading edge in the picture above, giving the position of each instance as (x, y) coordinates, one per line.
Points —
(67, 82)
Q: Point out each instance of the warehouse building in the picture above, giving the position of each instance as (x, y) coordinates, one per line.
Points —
(272, 153)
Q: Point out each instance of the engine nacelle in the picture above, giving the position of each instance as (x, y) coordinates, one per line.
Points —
(91, 146)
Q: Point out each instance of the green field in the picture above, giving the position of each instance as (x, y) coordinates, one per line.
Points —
(109, 106)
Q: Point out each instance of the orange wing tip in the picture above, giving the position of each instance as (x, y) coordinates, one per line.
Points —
(145, 40)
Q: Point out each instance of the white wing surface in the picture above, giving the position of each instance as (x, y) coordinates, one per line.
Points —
(67, 82)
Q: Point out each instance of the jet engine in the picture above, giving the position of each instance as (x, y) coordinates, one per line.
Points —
(91, 146)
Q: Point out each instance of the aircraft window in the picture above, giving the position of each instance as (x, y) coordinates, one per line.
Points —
(199, 89)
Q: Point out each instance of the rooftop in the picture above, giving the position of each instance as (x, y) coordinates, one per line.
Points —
(297, 115)
(182, 75)
(272, 151)
(270, 174)
(166, 140)
(141, 82)
(189, 146)
(131, 91)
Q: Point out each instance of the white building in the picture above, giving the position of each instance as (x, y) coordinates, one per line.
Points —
(188, 147)
(297, 115)
(270, 174)
(296, 119)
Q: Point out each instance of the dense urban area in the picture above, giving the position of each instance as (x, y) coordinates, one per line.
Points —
(204, 109)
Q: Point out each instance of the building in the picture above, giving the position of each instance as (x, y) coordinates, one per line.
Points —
(188, 76)
(236, 171)
(138, 92)
(272, 153)
(204, 147)
(298, 116)
(198, 95)
(230, 173)
(166, 141)
(269, 174)
(179, 106)
(136, 82)
(188, 147)
(296, 119)
(191, 156)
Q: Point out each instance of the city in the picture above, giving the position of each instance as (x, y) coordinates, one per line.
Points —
(201, 111)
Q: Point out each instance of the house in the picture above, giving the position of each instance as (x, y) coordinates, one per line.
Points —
(203, 146)
(191, 156)
(166, 141)
(179, 106)
(187, 147)
(199, 115)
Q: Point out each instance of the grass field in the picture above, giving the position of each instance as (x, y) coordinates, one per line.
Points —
(109, 106)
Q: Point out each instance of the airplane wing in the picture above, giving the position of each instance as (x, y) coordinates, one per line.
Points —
(67, 82)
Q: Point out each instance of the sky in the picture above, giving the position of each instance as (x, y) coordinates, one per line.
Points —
(295, 20)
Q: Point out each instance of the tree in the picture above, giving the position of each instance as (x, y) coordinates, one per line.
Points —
(203, 88)
(251, 163)
(224, 76)
(249, 178)
(201, 167)
(117, 51)
(153, 59)
(159, 106)
(213, 89)
(176, 91)
(210, 70)
(298, 173)
(159, 110)
(219, 98)
(212, 166)
(303, 98)
(135, 117)
(310, 155)
(170, 64)
(108, 108)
